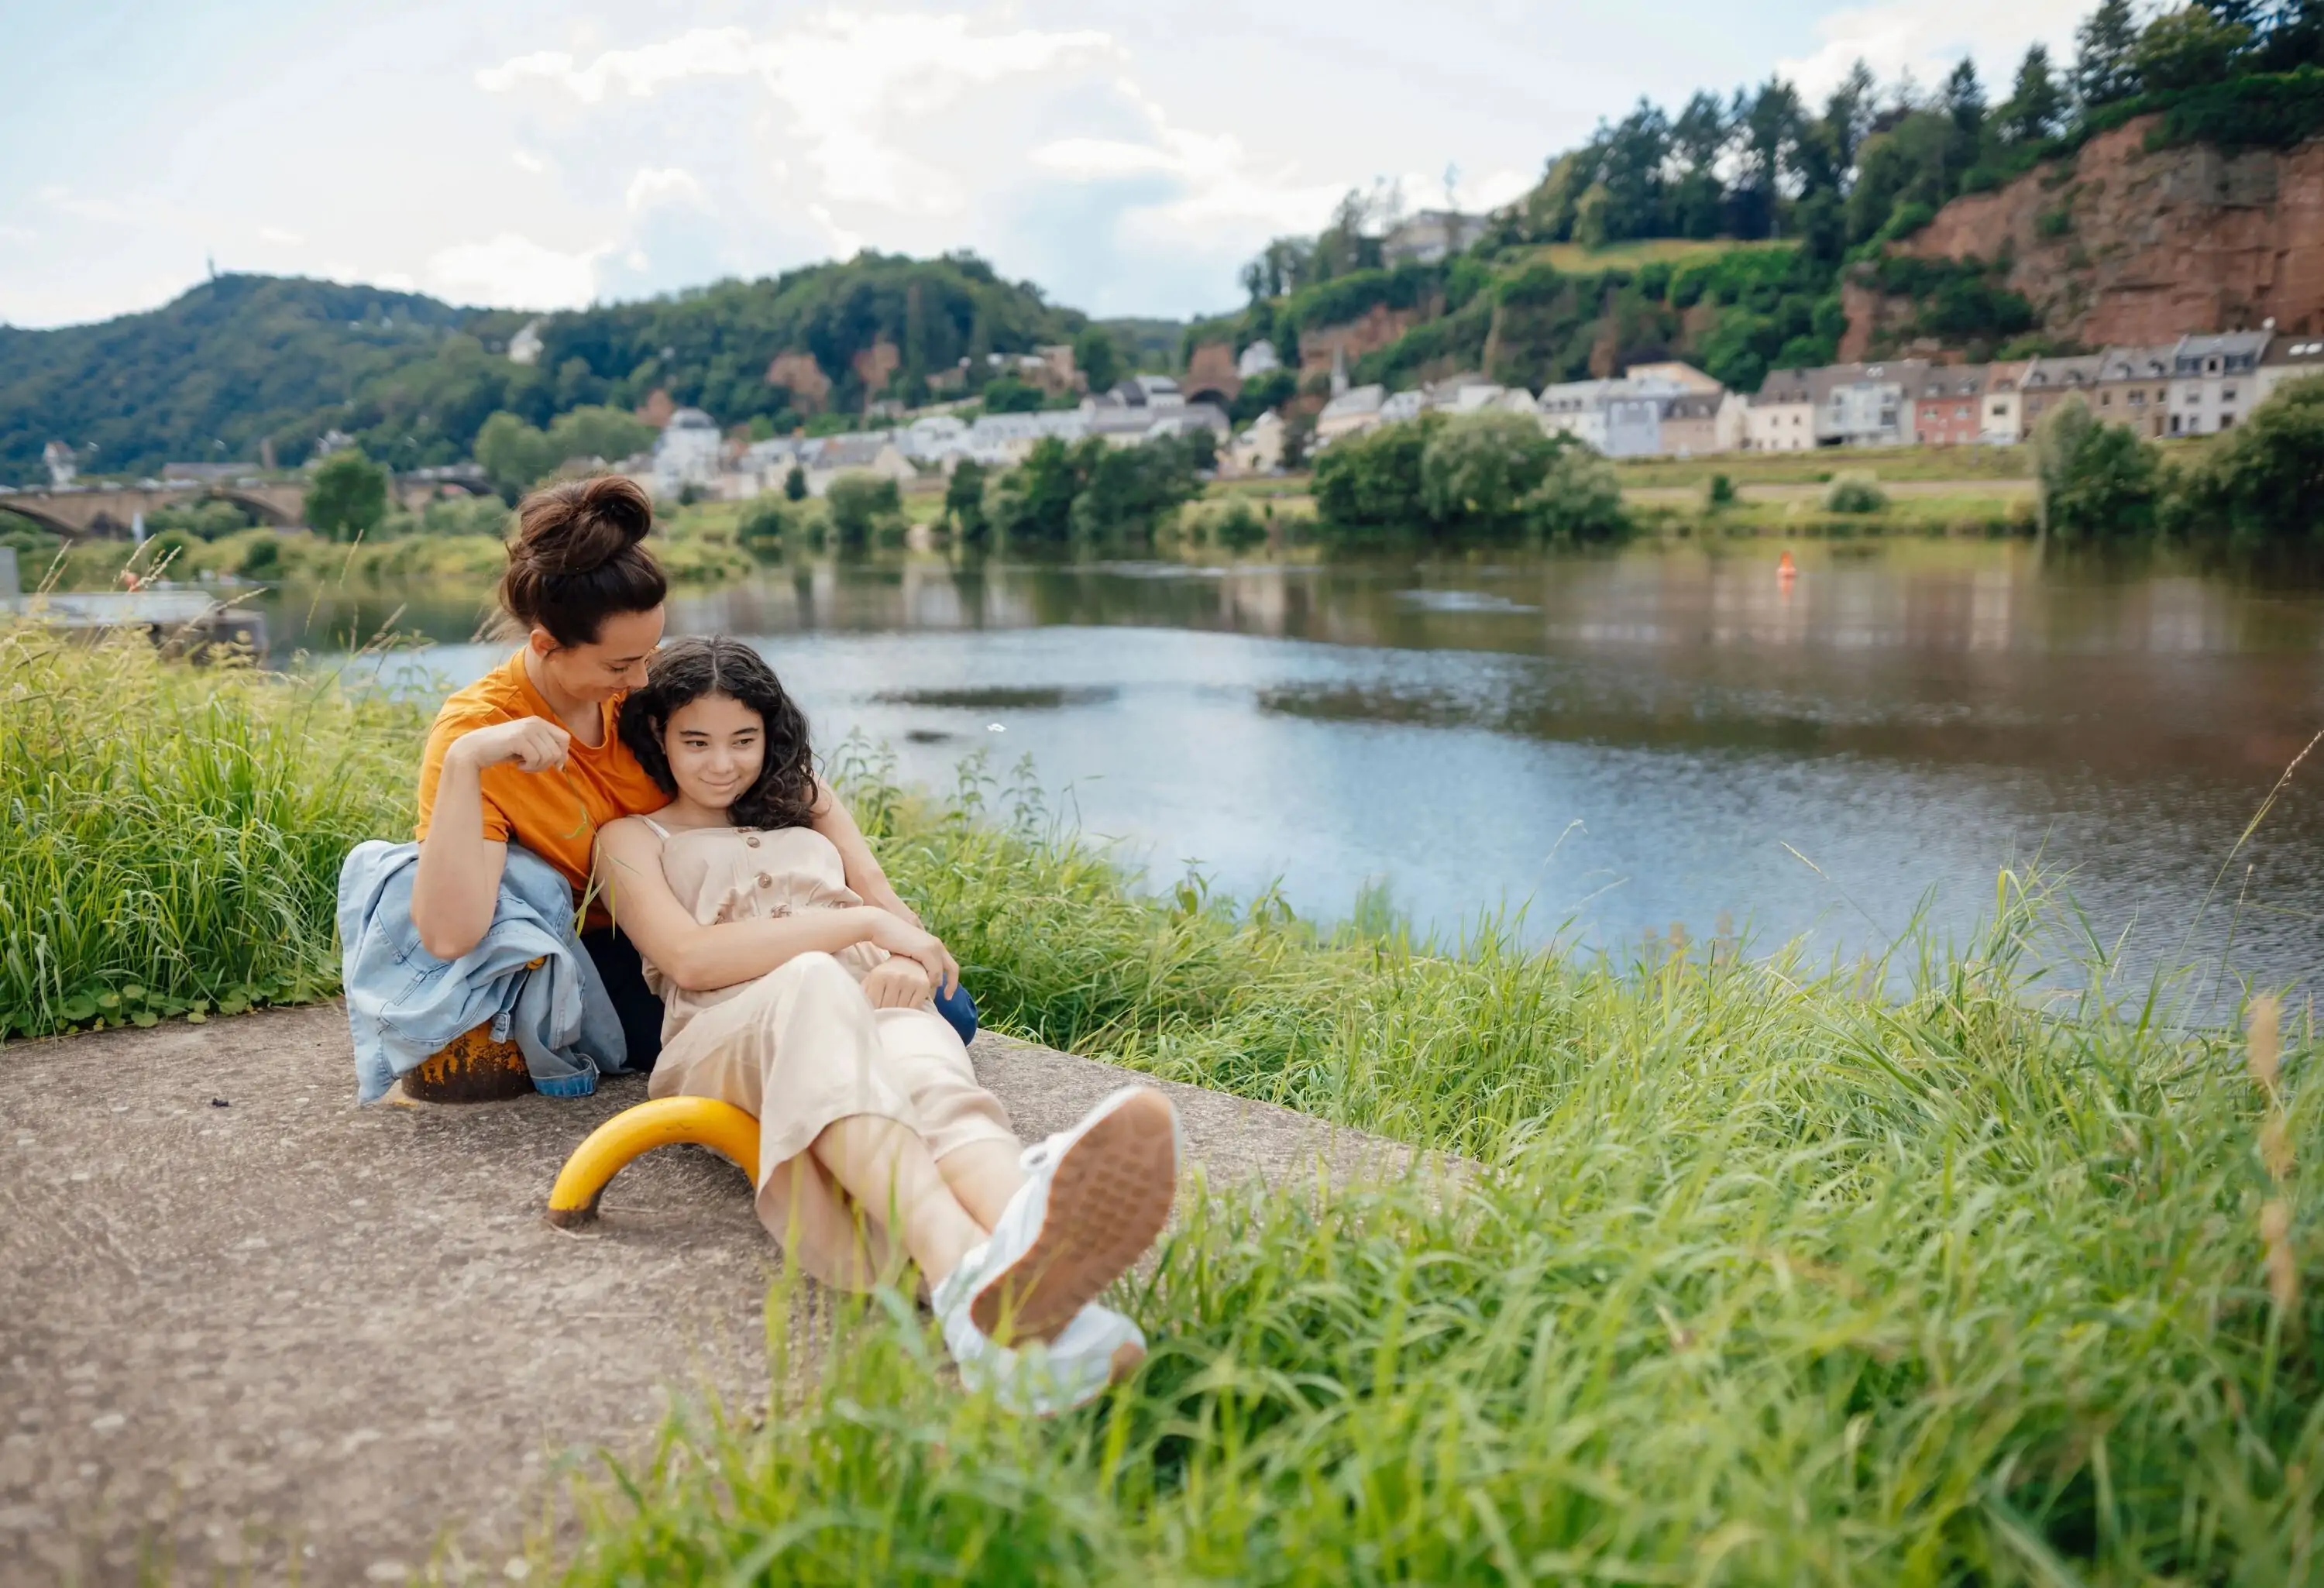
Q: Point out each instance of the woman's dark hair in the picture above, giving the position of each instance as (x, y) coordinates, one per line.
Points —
(684, 671)
(576, 561)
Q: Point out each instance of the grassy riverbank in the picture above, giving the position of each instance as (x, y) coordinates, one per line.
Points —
(1761, 1280)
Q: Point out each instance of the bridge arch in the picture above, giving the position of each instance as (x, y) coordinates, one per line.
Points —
(40, 517)
(266, 512)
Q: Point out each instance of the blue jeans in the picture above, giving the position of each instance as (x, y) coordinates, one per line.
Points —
(959, 1011)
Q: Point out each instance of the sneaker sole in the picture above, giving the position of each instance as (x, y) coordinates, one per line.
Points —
(1109, 1198)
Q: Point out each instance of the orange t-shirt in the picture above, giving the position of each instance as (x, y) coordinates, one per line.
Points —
(554, 813)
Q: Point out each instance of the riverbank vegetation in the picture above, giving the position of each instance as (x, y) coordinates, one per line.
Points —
(1744, 1275)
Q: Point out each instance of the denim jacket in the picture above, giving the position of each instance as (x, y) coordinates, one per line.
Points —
(529, 978)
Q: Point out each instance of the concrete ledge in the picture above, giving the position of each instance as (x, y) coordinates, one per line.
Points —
(247, 1326)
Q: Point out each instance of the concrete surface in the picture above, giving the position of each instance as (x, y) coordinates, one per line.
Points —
(250, 1332)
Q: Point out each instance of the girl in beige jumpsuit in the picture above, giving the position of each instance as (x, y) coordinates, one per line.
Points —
(789, 997)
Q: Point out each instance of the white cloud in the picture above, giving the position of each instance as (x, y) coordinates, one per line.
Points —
(288, 238)
(667, 185)
(850, 82)
(526, 161)
(511, 269)
(1897, 36)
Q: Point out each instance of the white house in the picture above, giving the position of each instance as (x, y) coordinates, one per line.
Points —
(61, 464)
(524, 348)
(1782, 415)
(1259, 450)
(2215, 381)
(1402, 405)
(686, 453)
(1575, 409)
(1258, 359)
(1355, 409)
(1866, 405)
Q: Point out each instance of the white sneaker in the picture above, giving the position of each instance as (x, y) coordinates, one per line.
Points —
(1095, 1198)
(1099, 1348)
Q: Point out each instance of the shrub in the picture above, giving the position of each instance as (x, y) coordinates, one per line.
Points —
(1717, 493)
(1239, 529)
(1579, 498)
(762, 526)
(1856, 492)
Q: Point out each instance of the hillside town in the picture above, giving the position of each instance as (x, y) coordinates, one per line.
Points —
(2199, 385)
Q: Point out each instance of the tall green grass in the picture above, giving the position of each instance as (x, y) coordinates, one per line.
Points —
(1753, 1280)
(1747, 1277)
(170, 835)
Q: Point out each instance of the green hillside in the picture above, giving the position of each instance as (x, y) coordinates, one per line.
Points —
(245, 359)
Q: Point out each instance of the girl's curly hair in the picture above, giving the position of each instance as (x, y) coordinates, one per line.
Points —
(685, 670)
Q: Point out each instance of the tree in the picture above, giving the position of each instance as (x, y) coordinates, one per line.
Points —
(2094, 481)
(1964, 101)
(598, 434)
(2103, 69)
(348, 495)
(2037, 104)
(1097, 357)
(863, 507)
(2260, 486)
(1033, 503)
(964, 501)
(1476, 472)
(1008, 394)
(795, 484)
(1372, 481)
(1127, 489)
(2186, 49)
(512, 454)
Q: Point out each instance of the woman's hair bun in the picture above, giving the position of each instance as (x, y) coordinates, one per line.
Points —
(579, 558)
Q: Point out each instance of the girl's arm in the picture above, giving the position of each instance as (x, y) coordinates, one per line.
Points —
(865, 879)
(700, 958)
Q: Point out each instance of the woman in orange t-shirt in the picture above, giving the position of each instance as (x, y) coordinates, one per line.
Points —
(529, 753)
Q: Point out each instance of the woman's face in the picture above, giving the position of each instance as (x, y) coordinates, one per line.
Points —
(614, 661)
(715, 746)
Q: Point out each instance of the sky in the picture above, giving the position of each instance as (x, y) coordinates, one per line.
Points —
(1127, 157)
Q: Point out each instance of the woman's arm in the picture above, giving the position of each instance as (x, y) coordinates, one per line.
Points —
(458, 883)
(700, 958)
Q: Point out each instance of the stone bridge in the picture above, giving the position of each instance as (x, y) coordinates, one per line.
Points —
(107, 512)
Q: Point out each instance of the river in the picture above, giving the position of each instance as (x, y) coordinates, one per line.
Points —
(1610, 744)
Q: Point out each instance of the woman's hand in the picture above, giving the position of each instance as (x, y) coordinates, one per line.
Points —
(900, 937)
(897, 982)
(534, 743)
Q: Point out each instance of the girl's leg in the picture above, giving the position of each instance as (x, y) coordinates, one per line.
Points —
(886, 1168)
(983, 1176)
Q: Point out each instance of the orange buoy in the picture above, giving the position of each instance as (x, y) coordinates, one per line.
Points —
(1784, 570)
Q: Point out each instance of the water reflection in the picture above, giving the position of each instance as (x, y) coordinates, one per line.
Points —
(1907, 716)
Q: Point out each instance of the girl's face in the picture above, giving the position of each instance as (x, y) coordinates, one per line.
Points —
(715, 745)
(616, 660)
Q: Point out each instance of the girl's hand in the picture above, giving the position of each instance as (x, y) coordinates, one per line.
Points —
(533, 743)
(902, 938)
(898, 982)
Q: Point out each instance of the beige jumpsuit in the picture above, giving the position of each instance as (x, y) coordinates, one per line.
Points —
(802, 1047)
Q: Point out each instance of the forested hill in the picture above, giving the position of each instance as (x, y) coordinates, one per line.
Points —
(245, 359)
(1730, 231)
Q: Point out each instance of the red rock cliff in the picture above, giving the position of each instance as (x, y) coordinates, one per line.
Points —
(2129, 246)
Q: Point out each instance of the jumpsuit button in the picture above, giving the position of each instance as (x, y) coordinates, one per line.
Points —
(754, 843)
(765, 881)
